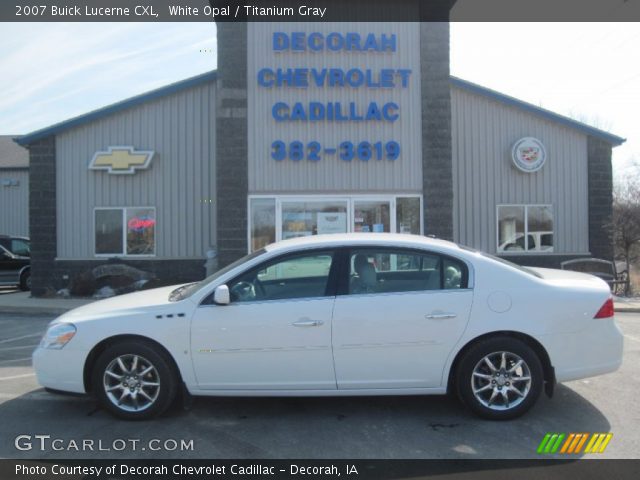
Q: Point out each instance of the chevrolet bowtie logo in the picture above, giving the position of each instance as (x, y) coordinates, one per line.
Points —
(121, 160)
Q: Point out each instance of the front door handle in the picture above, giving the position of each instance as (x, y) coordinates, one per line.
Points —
(440, 316)
(307, 322)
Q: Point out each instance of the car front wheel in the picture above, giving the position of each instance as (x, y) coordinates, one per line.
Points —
(500, 378)
(134, 380)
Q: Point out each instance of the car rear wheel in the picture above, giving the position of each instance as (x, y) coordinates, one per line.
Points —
(25, 281)
(500, 378)
(134, 380)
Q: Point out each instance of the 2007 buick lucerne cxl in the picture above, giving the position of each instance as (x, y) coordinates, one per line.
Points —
(352, 314)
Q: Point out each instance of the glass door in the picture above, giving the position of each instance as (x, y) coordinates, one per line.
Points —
(301, 218)
(371, 216)
(275, 218)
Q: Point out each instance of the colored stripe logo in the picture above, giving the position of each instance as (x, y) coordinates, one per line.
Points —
(573, 443)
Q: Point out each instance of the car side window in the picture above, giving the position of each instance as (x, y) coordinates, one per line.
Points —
(294, 276)
(20, 247)
(388, 271)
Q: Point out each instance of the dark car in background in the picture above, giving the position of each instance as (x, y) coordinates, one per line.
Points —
(15, 262)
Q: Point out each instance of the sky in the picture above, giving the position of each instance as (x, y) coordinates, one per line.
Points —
(588, 71)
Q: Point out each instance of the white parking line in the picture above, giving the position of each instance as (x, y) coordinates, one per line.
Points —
(9, 340)
(635, 339)
(22, 347)
(15, 360)
(18, 376)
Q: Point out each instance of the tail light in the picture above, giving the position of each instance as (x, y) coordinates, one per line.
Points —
(606, 311)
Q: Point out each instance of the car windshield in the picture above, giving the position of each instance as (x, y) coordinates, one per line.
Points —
(502, 261)
(185, 291)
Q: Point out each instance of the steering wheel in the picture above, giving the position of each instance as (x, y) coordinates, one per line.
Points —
(261, 289)
(243, 291)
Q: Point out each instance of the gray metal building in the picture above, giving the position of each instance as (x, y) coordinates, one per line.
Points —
(14, 188)
(306, 129)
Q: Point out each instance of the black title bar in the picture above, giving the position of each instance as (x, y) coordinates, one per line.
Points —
(318, 10)
(328, 469)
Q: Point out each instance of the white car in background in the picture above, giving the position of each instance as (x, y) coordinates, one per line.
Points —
(344, 314)
(536, 242)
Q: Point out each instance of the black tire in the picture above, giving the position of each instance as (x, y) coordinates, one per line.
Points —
(164, 373)
(503, 383)
(25, 281)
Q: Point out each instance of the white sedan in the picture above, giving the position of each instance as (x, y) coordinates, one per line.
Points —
(354, 314)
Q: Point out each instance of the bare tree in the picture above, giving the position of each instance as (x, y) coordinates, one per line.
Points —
(626, 221)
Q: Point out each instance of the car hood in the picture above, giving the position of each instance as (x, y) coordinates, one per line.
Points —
(131, 303)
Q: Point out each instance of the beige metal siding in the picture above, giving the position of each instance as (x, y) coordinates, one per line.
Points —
(331, 174)
(483, 131)
(14, 202)
(179, 183)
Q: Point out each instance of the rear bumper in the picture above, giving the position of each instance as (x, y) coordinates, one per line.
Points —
(594, 351)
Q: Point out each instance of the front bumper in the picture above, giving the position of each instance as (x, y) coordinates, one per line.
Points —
(59, 369)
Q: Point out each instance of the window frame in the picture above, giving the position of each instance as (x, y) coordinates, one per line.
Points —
(526, 233)
(124, 210)
(348, 198)
(343, 282)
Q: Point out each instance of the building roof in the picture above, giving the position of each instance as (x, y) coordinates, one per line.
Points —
(542, 112)
(211, 76)
(12, 155)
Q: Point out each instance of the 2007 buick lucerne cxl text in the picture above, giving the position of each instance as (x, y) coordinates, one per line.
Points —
(352, 314)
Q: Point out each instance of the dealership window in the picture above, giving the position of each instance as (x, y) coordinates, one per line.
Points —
(525, 228)
(304, 218)
(125, 231)
(275, 218)
(263, 222)
(408, 215)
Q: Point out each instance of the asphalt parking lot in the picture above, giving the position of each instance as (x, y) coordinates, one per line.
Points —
(359, 427)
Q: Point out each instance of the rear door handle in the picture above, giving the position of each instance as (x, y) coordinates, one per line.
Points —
(440, 316)
(307, 322)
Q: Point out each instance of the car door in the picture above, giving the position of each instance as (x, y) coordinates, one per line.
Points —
(397, 318)
(276, 332)
(10, 267)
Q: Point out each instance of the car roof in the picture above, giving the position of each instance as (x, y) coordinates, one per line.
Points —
(361, 239)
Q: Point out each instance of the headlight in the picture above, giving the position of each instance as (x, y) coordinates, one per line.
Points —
(58, 335)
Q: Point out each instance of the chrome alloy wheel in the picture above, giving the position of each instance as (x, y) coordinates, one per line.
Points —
(131, 383)
(501, 380)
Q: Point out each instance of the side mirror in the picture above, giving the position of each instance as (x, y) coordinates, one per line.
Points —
(221, 295)
(5, 255)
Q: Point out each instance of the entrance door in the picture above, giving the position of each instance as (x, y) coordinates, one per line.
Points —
(276, 332)
(371, 216)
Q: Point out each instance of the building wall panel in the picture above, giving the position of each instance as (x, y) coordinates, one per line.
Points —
(14, 199)
(483, 131)
(331, 174)
(180, 182)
